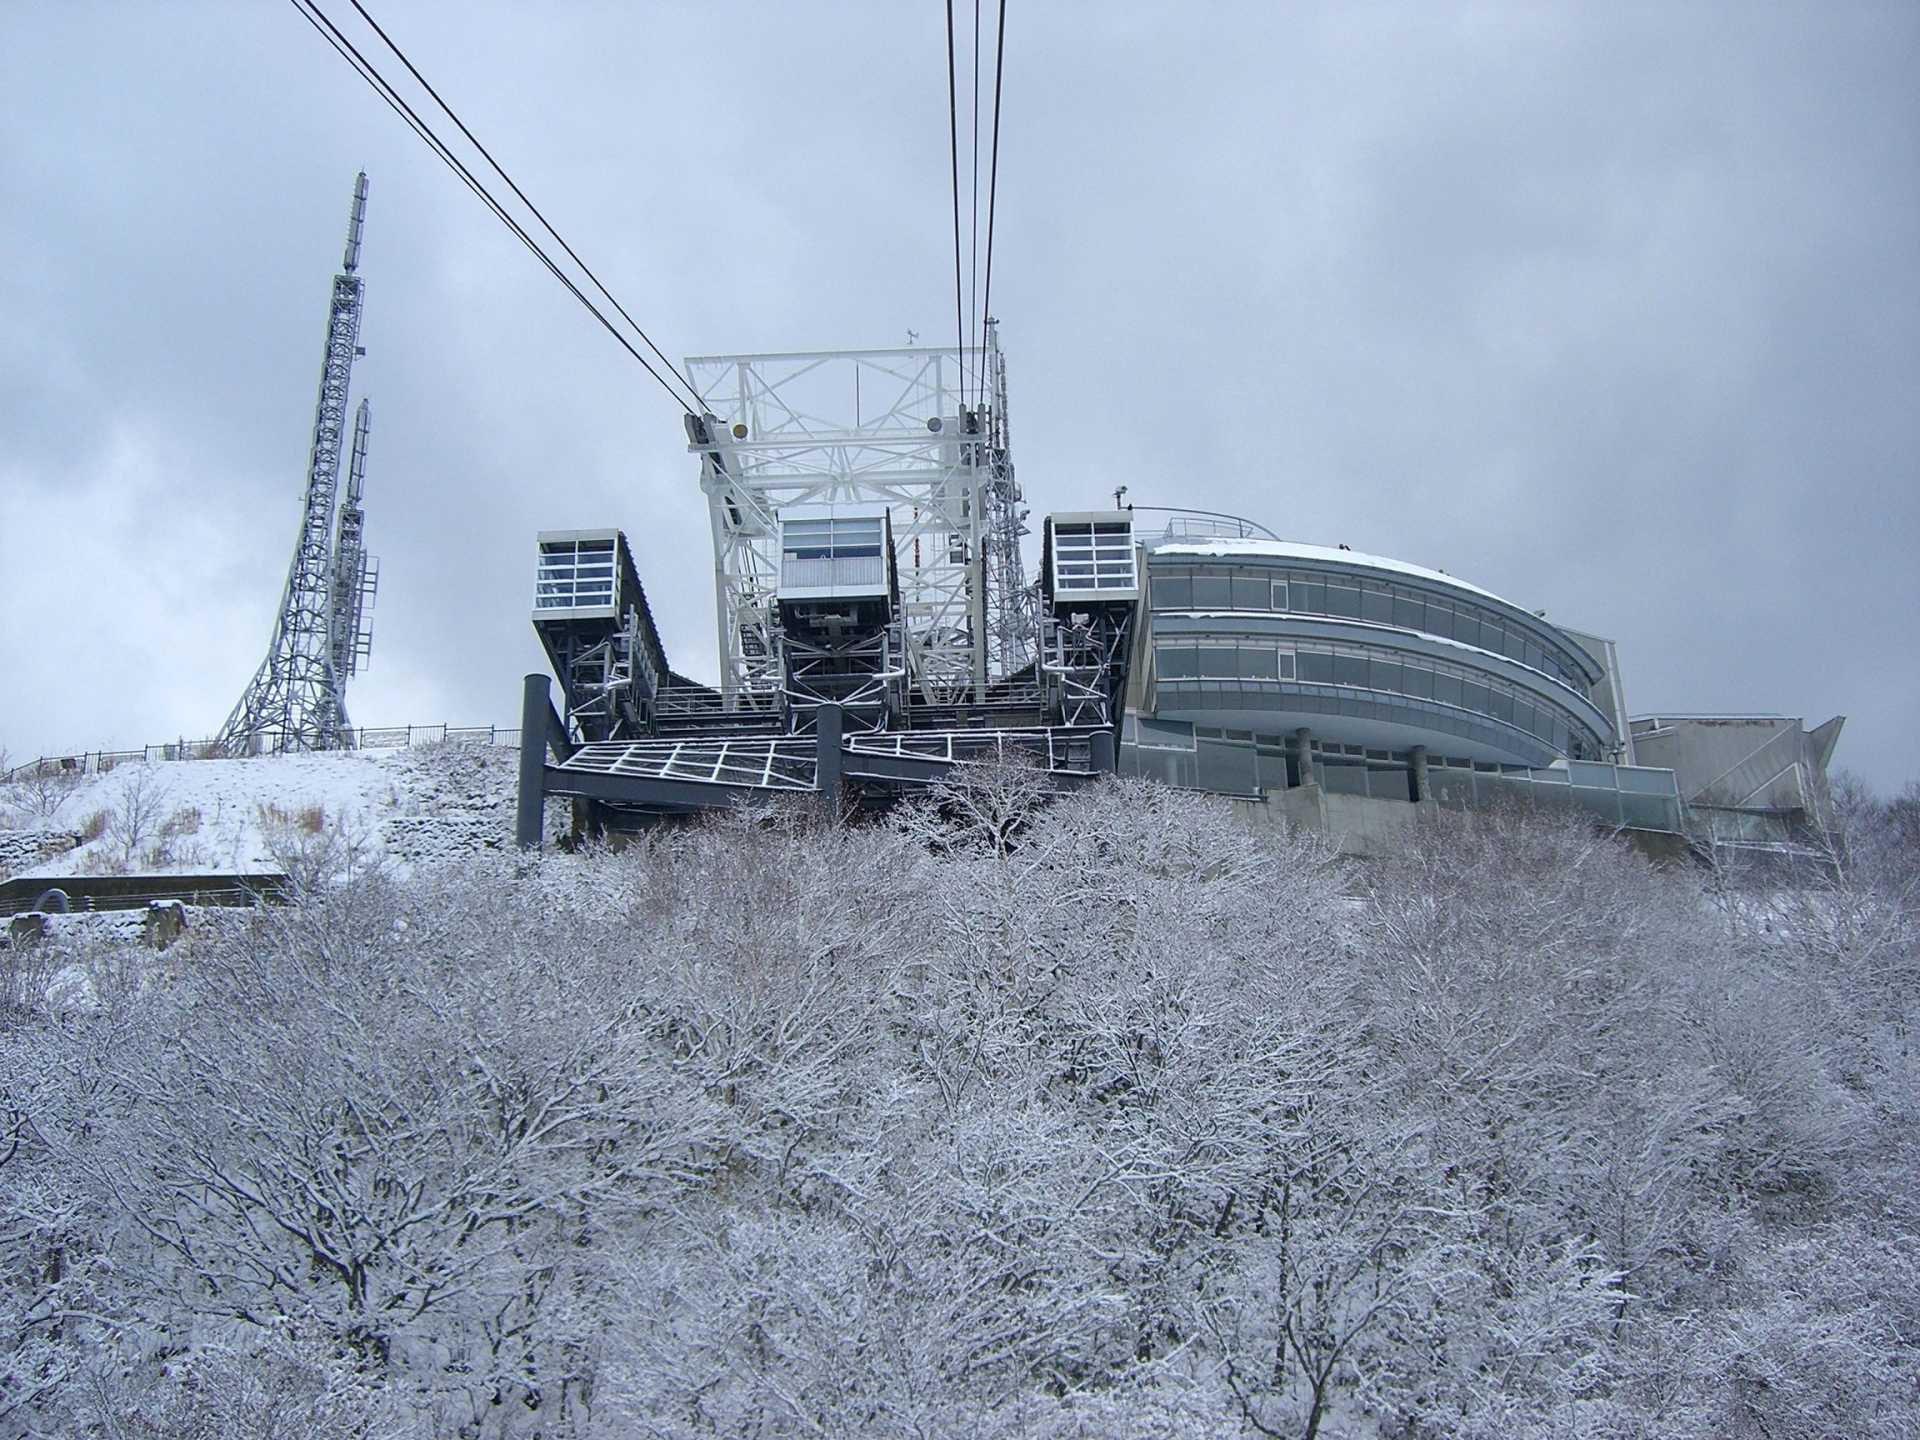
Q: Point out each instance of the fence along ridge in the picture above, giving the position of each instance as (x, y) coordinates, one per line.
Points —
(360, 737)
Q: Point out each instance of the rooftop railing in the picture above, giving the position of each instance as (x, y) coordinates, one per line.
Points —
(1189, 525)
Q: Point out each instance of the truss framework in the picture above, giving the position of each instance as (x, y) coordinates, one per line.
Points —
(297, 698)
(1012, 603)
(874, 426)
(862, 674)
(1083, 656)
(356, 574)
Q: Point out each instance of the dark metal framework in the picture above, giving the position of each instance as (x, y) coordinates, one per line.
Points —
(844, 726)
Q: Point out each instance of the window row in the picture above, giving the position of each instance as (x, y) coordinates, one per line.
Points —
(1093, 555)
(836, 537)
(1374, 601)
(1365, 670)
(565, 595)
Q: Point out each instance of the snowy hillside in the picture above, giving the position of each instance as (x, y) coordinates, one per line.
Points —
(409, 806)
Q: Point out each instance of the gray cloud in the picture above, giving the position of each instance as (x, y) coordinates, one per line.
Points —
(1614, 311)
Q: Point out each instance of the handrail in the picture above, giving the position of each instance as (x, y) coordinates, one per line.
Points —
(1188, 523)
(359, 737)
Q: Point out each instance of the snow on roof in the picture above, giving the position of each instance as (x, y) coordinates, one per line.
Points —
(1228, 549)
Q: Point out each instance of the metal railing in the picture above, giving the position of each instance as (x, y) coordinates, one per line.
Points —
(1185, 525)
(392, 737)
(763, 763)
(678, 700)
(1072, 752)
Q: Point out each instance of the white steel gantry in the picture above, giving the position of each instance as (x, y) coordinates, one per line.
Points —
(920, 430)
(297, 698)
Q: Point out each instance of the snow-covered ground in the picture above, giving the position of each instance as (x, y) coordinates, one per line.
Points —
(424, 804)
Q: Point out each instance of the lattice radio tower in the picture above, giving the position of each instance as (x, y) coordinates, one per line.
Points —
(297, 698)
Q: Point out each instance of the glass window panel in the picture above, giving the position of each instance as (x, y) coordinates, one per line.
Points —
(1376, 605)
(1343, 600)
(1217, 662)
(1647, 782)
(1262, 663)
(1474, 696)
(1316, 667)
(1279, 598)
(1349, 670)
(1466, 629)
(1309, 597)
(1212, 592)
(1417, 680)
(1408, 614)
(1173, 592)
(1174, 662)
(1252, 592)
(1286, 664)
(1384, 675)
(1446, 689)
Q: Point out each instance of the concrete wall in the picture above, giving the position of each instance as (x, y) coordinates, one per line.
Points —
(1360, 826)
(1367, 829)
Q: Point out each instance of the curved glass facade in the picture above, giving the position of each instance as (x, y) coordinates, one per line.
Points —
(1401, 659)
(1462, 616)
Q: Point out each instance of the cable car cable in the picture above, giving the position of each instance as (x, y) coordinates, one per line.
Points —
(993, 167)
(501, 172)
(368, 72)
(953, 151)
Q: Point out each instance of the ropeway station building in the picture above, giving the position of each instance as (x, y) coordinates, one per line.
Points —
(876, 629)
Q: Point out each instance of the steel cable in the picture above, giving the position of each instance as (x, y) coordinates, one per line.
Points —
(368, 72)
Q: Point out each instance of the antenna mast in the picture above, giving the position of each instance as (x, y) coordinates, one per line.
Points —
(356, 574)
(297, 698)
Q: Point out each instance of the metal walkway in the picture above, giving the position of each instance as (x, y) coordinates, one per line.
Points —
(686, 776)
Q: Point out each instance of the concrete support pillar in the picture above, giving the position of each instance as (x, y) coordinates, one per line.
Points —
(829, 722)
(1303, 746)
(1417, 775)
(536, 706)
(1105, 757)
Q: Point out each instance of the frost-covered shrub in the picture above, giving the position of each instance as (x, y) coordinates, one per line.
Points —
(996, 1117)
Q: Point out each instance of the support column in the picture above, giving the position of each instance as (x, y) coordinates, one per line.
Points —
(1104, 756)
(1303, 745)
(1417, 775)
(827, 726)
(536, 705)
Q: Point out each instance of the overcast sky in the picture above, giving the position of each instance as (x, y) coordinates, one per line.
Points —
(1611, 309)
